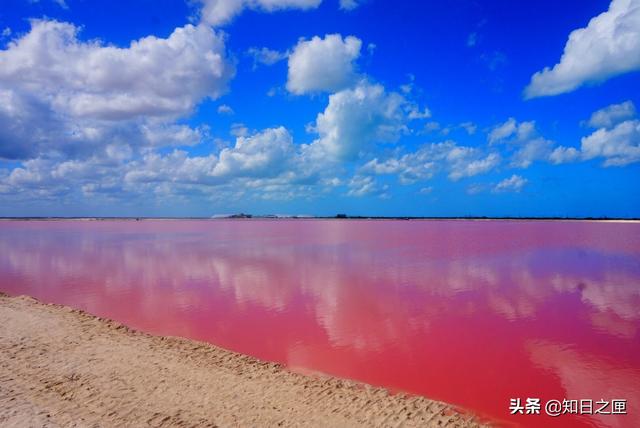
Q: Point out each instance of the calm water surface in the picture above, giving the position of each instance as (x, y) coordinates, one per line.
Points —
(469, 312)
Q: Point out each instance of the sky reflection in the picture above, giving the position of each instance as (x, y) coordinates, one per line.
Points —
(473, 313)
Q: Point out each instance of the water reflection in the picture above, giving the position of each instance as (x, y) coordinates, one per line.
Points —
(468, 312)
(581, 375)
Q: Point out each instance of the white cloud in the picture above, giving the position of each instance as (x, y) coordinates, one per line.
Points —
(536, 149)
(470, 127)
(564, 154)
(431, 126)
(266, 56)
(62, 4)
(225, 109)
(175, 168)
(502, 131)
(524, 139)
(410, 167)
(239, 130)
(611, 115)
(54, 178)
(619, 146)
(264, 154)
(88, 120)
(61, 94)
(608, 46)
(515, 183)
(172, 135)
(464, 163)
(266, 164)
(357, 118)
(511, 128)
(363, 185)
(415, 113)
(350, 4)
(219, 12)
(371, 48)
(29, 128)
(459, 161)
(327, 64)
(152, 77)
(616, 140)
(21, 124)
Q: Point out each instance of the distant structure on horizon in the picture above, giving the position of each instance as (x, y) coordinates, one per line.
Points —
(241, 215)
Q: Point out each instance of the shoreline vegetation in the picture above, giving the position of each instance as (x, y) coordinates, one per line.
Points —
(62, 366)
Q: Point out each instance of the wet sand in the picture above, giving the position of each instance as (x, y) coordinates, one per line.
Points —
(64, 367)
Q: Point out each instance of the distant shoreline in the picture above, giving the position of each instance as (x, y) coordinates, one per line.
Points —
(275, 218)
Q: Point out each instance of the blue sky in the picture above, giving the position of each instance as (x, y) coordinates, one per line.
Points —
(204, 107)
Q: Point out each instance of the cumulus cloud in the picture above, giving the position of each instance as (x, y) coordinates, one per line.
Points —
(219, 12)
(515, 183)
(363, 185)
(469, 127)
(350, 4)
(266, 56)
(608, 46)
(618, 143)
(151, 77)
(225, 109)
(536, 149)
(21, 124)
(523, 139)
(564, 154)
(327, 64)
(266, 163)
(417, 114)
(60, 93)
(611, 115)
(458, 161)
(619, 146)
(358, 117)
(46, 178)
(409, 168)
(29, 128)
(264, 154)
(172, 135)
(465, 162)
(502, 132)
(616, 140)
(177, 168)
(62, 3)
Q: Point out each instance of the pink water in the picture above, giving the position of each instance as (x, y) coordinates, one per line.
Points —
(469, 312)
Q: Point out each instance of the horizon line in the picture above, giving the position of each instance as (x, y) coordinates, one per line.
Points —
(243, 216)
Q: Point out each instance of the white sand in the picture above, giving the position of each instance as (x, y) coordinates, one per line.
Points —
(63, 367)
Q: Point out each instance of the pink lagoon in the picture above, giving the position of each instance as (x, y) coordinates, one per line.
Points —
(473, 313)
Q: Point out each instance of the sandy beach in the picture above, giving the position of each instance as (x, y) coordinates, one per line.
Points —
(64, 367)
